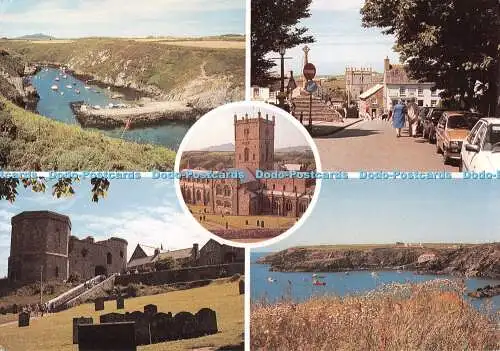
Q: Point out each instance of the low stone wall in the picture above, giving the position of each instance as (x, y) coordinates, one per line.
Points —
(182, 275)
(99, 290)
(248, 233)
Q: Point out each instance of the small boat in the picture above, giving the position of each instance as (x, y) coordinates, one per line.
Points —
(77, 91)
(97, 107)
(86, 87)
(271, 280)
(54, 87)
(318, 276)
(374, 274)
(110, 105)
(318, 283)
(346, 273)
(62, 92)
(57, 79)
(69, 86)
(65, 76)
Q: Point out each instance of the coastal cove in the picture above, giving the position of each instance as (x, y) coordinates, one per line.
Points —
(57, 92)
(273, 286)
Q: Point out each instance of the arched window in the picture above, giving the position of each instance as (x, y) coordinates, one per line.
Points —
(294, 189)
(218, 203)
(109, 258)
(207, 196)
(218, 190)
(227, 191)
(289, 206)
(57, 272)
(198, 195)
(274, 186)
(267, 152)
(283, 188)
(253, 156)
(227, 204)
(246, 154)
(121, 254)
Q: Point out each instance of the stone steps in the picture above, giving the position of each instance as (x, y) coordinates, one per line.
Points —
(319, 110)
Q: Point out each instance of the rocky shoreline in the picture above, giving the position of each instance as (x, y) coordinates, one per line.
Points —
(487, 291)
(463, 261)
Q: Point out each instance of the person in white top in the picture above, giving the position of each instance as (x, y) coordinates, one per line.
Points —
(412, 109)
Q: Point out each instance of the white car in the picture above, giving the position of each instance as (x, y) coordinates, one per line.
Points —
(481, 150)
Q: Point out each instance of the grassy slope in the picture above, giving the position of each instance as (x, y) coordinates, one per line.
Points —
(164, 66)
(45, 144)
(55, 331)
(429, 316)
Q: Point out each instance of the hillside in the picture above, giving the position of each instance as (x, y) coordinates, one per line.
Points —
(473, 260)
(37, 36)
(205, 77)
(31, 142)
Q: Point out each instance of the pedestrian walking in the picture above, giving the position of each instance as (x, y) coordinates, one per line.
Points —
(399, 117)
(412, 117)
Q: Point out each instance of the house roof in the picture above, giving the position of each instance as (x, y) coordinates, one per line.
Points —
(397, 75)
(175, 254)
(140, 261)
(371, 91)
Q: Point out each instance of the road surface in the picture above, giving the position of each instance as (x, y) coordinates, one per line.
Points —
(373, 146)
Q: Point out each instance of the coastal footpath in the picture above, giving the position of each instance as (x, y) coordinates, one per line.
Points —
(457, 260)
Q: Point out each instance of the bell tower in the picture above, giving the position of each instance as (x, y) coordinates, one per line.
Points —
(254, 142)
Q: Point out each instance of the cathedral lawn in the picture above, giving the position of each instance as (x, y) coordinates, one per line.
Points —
(216, 221)
(55, 332)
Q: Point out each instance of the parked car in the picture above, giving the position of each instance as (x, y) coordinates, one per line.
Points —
(451, 130)
(422, 112)
(429, 123)
(481, 149)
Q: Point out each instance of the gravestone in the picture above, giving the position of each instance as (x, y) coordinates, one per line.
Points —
(24, 319)
(79, 321)
(99, 304)
(112, 318)
(120, 303)
(187, 325)
(150, 310)
(241, 286)
(142, 331)
(162, 327)
(207, 321)
(107, 337)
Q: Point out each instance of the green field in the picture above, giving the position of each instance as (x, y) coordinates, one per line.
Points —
(54, 332)
(145, 62)
(44, 144)
(217, 221)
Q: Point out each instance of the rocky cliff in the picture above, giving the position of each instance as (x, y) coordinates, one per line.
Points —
(470, 260)
(13, 85)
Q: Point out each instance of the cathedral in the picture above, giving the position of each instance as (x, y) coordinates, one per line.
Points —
(249, 195)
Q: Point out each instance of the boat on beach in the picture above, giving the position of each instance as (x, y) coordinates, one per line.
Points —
(77, 91)
(69, 86)
(54, 87)
(57, 79)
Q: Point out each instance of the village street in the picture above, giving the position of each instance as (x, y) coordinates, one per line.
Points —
(373, 146)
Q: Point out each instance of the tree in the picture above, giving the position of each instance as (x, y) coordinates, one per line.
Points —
(63, 187)
(275, 23)
(453, 43)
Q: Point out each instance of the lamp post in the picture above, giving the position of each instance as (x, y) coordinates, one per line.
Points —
(282, 51)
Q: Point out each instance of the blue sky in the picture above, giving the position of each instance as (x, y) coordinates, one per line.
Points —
(340, 40)
(368, 212)
(81, 18)
(142, 211)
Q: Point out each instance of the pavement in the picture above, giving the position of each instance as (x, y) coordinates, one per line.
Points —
(371, 145)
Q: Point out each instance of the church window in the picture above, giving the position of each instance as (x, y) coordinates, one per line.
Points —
(218, 190)
(57, 272)
(289, 206)
(246, 154)
(274, 186)
(254, 157)
(227, 191)
(227, 204)
(267, 152)
(109, 258)
(294, 189)
(198, 195)
(283, 188)
(84, 252)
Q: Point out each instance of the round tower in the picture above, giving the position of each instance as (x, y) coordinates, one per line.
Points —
(39, 246)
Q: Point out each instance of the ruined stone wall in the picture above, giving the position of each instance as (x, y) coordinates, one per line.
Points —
(182, 275)
(88, 259)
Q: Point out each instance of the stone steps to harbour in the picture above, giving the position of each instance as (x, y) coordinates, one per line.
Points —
(319, 110)
(59, 303)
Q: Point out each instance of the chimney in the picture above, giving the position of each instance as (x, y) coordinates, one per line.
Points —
(387, 64)
(194, 253)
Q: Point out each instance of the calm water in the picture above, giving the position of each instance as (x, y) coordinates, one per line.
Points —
(56, 106)
(338, 284)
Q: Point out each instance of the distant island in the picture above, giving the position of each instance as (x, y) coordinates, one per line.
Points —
(480, 260)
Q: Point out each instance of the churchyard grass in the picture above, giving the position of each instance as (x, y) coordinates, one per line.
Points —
(54, 332)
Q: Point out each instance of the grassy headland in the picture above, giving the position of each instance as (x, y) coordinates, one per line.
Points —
(148, 65)
(32, 142)
(429, 316)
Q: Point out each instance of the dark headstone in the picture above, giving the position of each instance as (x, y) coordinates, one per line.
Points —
(99, 304)
(24, 319)
(150, 310)
(134, 316)
(162, 327)
(107, 337)
(241, 286)
(79, 321)
(207, 321)
(112, 318)
(142, 331)
(120, 303)
(186, 325)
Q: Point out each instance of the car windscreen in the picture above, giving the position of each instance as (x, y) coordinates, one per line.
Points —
(492, 142)
(458, 122)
